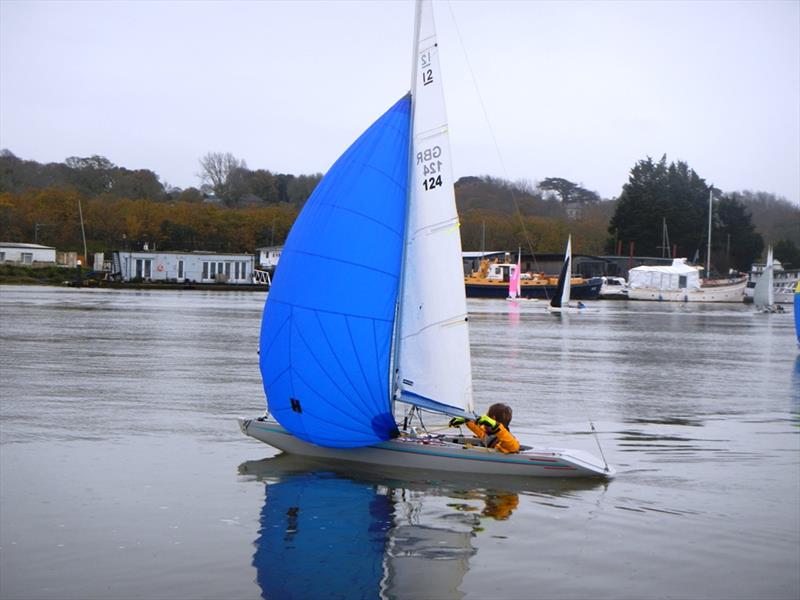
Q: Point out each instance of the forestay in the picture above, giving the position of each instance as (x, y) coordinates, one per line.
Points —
(328, 320)
(433, 359)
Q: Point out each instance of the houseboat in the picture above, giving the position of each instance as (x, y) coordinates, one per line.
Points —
(784, 282)
(492, 278)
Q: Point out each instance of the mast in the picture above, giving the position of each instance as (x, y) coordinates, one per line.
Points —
(708, 252)
(432, 357)
(83, 232)
(665, 245)
(417, 21)
(394, 387)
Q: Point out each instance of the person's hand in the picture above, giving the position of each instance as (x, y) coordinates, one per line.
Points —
(488, 422)
(457, 421)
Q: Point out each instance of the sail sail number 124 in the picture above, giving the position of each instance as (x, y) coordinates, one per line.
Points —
(431, 167)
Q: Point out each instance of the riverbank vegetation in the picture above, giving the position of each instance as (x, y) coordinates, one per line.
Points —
(237, 209)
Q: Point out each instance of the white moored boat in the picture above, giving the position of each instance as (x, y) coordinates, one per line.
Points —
(392, 327)
(680, 282)
(614, 288)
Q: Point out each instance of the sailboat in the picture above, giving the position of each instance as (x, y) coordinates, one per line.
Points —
(797, 312)
(560, 301)
(392, 327)
(514, 280)
(764, 292)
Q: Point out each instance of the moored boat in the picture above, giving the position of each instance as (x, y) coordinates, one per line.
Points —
(492, 281)
(614, 288)
(681, 282)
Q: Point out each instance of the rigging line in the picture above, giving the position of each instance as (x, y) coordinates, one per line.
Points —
(494, 137)
(511, 191)
(597, 441)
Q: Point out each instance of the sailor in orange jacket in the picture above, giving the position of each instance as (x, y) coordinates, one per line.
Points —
(492, 428)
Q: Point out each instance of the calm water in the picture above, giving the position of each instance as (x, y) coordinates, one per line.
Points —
(123, 473)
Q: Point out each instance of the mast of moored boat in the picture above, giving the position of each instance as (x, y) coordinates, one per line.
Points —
(708, 252)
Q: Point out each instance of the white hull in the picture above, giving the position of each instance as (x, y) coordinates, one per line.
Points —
(614, 288)
(721, 293)
(613, 294)
(439, 453)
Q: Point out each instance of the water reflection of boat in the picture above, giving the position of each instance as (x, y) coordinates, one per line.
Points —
(428, 480)
(323, 535)
(329, 530)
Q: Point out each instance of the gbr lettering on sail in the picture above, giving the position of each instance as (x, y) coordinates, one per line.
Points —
(431, 167)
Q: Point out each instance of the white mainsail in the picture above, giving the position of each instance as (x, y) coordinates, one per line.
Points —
(433, 359)
(567, 289)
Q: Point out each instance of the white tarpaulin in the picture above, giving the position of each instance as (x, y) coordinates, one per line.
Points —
(677, 276)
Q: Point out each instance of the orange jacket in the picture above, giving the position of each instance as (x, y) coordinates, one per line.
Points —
(506, 442)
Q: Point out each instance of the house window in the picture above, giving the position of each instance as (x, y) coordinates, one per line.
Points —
(27, 258)
(143, 268)
(681, 281)
(2, 257)
(205, 270)
(180, 269)
(227, 270)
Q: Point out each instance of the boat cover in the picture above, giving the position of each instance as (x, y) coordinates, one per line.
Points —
(666, 277)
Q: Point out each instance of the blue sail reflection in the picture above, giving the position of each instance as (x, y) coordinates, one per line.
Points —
(324, 535)
(330, 529)
(321, 536)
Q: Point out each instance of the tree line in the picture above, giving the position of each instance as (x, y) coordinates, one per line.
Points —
(664, 209)
(237, 209)
(224, 178)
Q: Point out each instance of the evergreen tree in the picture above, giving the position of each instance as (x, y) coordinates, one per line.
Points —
(788, 254)
(735, 241)
(658, 192)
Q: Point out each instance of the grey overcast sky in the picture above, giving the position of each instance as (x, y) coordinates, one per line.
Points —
(580, 90)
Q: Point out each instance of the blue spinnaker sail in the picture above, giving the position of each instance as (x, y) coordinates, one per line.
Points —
(327, 327)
